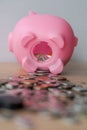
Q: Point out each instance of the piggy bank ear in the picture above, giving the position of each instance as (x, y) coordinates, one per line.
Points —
(27, 38)
(58, 39)
(32, 13)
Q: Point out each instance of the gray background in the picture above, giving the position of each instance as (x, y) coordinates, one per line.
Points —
(74, 11)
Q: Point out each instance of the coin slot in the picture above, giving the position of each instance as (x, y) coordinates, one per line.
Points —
(42, 51)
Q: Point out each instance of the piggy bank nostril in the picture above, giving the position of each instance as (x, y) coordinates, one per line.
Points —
(42, 51)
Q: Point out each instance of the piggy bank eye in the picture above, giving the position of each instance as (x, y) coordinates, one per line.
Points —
(27, 38)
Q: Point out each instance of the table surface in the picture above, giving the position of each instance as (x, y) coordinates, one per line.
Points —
(74, 71)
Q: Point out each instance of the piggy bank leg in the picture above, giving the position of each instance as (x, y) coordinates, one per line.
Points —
(28, 65)
(57, 67)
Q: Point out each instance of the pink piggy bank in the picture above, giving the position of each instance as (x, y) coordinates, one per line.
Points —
(41, 41)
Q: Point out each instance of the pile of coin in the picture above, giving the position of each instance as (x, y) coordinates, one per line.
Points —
(42, 91)
(42, 57)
